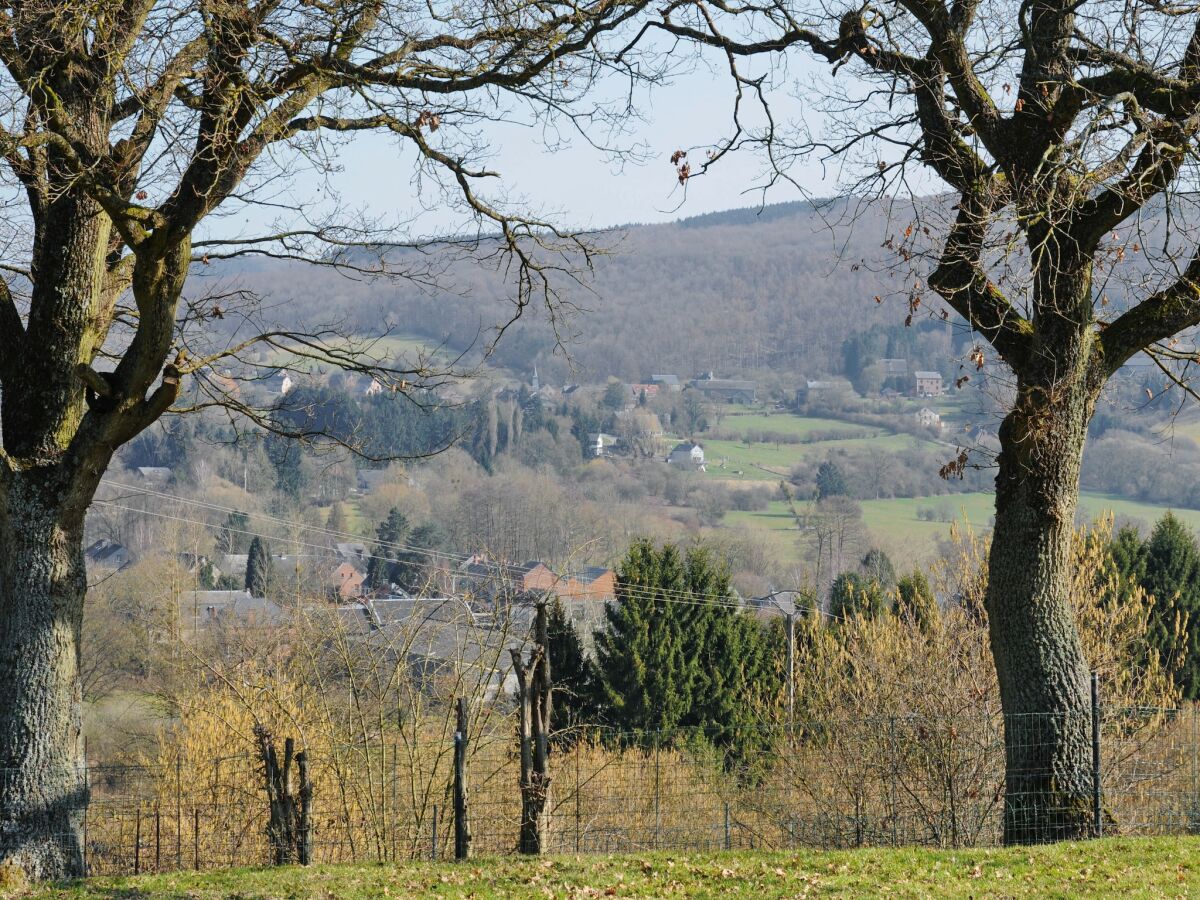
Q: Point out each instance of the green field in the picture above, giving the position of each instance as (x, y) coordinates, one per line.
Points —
(898, 522)
(786, 423)
(1125, 867)
(759, 462)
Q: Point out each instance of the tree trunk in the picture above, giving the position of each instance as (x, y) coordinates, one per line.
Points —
(43, 784)
(1042, 672)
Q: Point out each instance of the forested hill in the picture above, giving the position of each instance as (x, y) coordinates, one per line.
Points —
(781, 287)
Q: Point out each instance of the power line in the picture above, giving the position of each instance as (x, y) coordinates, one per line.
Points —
(665, 595)
(446, 556)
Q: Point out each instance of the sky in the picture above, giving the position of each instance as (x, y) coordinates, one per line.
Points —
(577, 186)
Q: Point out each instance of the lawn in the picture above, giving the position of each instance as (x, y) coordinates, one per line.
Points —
(1125, 867)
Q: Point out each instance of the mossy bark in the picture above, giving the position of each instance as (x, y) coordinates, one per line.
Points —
(1043, 675)
(43, 785)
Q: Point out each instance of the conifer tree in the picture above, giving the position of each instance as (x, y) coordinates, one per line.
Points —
(574, 673)
(646, 679)
(259, 569)
(678, 651)
(852, 594)
(1172, 576)
(915, 599)
(384, 555)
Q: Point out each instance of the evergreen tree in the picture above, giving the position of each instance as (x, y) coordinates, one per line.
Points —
(384, 555)
(852, 594)
(915, 599)
(1172, 576)
(877, 566)
(259, 569)
(1129, 554)
(645, 676)
(830, 481)
(413, 566)
(232, 537)
(677, 650)
(614, 396)
(573, 673)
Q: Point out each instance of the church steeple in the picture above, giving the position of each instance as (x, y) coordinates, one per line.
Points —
(537, 385)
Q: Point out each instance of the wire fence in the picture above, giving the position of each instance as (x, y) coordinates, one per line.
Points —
(875, 781)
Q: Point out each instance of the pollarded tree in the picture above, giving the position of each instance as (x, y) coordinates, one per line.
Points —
(1053, 126)
(126, 125)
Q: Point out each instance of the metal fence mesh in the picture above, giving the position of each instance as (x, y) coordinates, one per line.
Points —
(875, 781)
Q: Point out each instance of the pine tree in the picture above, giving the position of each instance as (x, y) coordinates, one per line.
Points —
(573, 672)
(678, 651)
(830, 481)
(852, 594)
(915, 600)
(259, 569)
(646, 679)
(1172, 576)
(413, 565)
(384, 555)
(1129, 554)
(877, 566)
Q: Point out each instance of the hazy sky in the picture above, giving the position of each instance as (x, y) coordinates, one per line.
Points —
(578, 187)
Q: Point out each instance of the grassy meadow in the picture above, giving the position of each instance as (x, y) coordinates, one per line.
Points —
(1125, 867)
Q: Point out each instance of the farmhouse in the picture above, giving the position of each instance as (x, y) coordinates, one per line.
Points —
(729, 390)
(602, 444)
(928, 384)
(927, 418)
(687, 454)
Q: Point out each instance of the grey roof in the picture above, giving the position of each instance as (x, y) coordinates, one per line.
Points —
(155, 473)
(227, 607)
(920, 374)
(108, 554)
(685, 447)
(669, 380)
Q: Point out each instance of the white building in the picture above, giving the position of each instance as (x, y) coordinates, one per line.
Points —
(687, 454)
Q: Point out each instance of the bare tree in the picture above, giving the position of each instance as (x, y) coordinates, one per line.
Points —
(1056, 127)
(127, 125)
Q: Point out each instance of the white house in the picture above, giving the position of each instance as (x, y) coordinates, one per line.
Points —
(687, 454)
(927, 418)
(602, 444)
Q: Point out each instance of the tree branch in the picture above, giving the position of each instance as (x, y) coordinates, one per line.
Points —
(960, 280)
(1155, 319)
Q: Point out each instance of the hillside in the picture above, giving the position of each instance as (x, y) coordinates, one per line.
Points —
(778, 289)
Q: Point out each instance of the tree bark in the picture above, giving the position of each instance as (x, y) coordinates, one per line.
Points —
(1042, 673)
(43, 784)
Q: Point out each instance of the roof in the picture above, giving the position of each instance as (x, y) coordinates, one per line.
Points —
(155, 473)
(591, 573)
(108, 553)
(670, 380)
(927, 374)
(686, 447)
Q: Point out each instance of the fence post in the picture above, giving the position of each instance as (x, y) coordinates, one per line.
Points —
(137, 842)
(1097, 816)
(657, 793)
(196, 838)
(433, 842)
(894, 797)
(728, 837)
(178, 812)
(462, 826)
